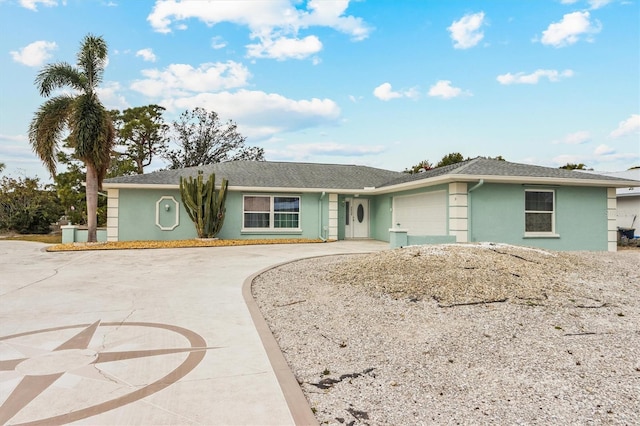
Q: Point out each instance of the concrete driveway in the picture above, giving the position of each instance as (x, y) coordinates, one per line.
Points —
(140, 336)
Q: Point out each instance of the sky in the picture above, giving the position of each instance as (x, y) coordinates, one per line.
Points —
(370, 82)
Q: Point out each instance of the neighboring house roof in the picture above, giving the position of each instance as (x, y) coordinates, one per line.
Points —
(349, 178)
(629, 191)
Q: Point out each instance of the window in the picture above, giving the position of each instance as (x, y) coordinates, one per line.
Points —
(271, 212)
(539, 212)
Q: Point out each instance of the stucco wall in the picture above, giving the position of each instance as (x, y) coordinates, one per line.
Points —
(497, 214)
(137, 217)
(380, 217)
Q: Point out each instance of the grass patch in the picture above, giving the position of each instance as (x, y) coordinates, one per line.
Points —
(44, 238)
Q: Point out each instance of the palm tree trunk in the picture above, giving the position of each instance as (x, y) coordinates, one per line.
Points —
(92, 203)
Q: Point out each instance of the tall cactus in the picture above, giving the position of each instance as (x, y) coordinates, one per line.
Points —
(204, 205)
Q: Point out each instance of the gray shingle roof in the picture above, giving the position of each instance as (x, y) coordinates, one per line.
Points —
(489, 167)
(267, 174)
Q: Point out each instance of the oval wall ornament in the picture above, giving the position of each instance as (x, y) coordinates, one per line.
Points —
(360, 213)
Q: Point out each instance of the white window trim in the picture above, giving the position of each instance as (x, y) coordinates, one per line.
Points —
(550, 234)
(271, 228)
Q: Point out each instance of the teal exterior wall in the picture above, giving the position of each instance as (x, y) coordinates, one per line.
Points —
(497, 215)
(380, 207)
(137, 217)
(495, 212)
(72, 234)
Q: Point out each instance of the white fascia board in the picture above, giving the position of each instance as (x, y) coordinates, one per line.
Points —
(264, 189)
(516, 180)
(106, 185)
(298, 190)
(420, 183)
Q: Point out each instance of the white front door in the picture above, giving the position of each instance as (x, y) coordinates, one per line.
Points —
(356, 218)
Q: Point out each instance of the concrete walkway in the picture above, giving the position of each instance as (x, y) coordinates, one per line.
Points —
(142, 336)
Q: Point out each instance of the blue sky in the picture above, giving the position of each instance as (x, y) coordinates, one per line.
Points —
(379, 83)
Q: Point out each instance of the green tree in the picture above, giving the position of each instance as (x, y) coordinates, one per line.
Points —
(142, 133)
(424, 165)
(571, 166)
(27, 207)
(2, 166)
(71, 192)
(71, 189)
(90, 128)
(203, 139)
(452, 158)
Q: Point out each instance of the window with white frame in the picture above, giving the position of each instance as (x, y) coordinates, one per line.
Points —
(275, 212)
(539, 212)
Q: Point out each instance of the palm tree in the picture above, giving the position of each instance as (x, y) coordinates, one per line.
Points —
(80, 116)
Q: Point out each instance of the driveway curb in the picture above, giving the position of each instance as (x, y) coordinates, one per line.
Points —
(296, 401)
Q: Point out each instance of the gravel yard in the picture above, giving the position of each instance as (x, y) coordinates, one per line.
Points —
(461, 334)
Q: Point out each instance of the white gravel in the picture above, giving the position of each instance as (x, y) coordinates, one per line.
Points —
(461, 334)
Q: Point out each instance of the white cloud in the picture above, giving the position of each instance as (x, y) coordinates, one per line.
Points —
(385, 92)
(284, 48)
(563, 159)
(146, 54)
(627, 127)
(274, 24)
(466, 31)
(534, 77)
(14, 138)
(180, 79)
(568, 1)
(443, 89)
(570, 29)
(604, 150)
(597, 4)
(577, 138)
(33, 4)
(301, 152)
(605, 153)
(260, 115)
(34, 54)
(111, 97)
(218, 42)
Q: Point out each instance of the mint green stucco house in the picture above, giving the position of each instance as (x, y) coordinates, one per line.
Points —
(476, 200)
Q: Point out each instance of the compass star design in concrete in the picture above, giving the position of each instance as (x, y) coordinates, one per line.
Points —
(74, 372)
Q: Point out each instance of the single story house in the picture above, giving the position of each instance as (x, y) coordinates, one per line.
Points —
(475, 200)
(628, 201)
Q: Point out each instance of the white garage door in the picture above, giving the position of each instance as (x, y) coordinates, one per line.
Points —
(421, 214)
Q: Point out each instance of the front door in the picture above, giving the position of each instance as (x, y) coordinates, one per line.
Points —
(356, 218)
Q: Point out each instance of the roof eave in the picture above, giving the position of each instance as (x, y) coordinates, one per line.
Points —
(121, 185)
(114, 185)
(421, 183)
(519, 180)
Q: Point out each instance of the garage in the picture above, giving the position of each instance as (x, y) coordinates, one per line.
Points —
(421, 214)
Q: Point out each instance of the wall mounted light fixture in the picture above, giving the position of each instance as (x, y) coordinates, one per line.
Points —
(166, 207)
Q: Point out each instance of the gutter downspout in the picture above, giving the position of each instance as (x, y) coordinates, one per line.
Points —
(469, 191)
(324, 240)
